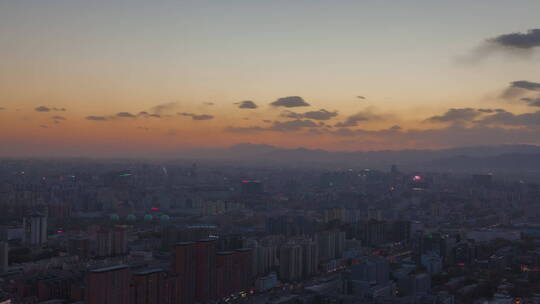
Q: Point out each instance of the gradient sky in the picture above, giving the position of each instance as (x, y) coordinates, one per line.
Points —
(412, 61)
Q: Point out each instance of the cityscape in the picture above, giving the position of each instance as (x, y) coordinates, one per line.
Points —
(117, 231)
(269, 152)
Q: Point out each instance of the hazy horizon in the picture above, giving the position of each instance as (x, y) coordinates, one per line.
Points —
(107, 78)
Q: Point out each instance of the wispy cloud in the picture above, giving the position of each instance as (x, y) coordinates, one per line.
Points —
(197, 116)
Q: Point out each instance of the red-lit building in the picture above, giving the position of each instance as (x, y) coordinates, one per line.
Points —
(109, 285)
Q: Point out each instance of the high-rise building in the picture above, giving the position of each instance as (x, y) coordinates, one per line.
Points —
(224, 273)
(4, 253)
(290, 262)
(103, 243)
(147, 286)
(251, 187)
(331, 244)
(35, 230)
(185, 267)
(79, 246)
(205, 272)
(482, 180)
(372, 232)
(109, 285)
(242, 266)
(119, 240)
(375, 270)
(310, 258)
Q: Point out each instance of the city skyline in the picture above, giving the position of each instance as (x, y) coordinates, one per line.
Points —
(110, 79)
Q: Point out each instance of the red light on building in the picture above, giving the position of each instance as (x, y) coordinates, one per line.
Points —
(246, 181)
(154, 208)
(461, 264)
(417, 178)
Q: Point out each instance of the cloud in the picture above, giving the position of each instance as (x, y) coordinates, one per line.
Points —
(321, 114)
(527, 40)
(208, 103)
(2, 108)
(511, 119)
(197, 116)
(148, 115)
(533, 102)
(290, 102)
(393, 130)
(245, 130)
(42, 109)
(171, 132)
(96, 118)
(516, 44)
(246, 104)
(266, 121)
(44, 126)
(360, 97)
(292, 125)
(527, 85)
(277, 126)
(519, 88)
(458, 115)
(490, 110)
(125, 115)
(47, 109)
(164, 107)
(353, 120)
(57, 119)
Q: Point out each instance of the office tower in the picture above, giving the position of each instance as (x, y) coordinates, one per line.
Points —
(290, 262)
(35, 230)
(119, 240)
(185, 267)
(109, 285)
(4, 254)
(205, 272)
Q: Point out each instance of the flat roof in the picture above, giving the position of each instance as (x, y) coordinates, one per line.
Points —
(148, 271)
(110, 268)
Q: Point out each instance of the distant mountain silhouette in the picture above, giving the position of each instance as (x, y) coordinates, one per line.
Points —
(505, 157)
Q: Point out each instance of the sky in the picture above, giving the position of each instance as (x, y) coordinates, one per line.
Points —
(112, 78)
